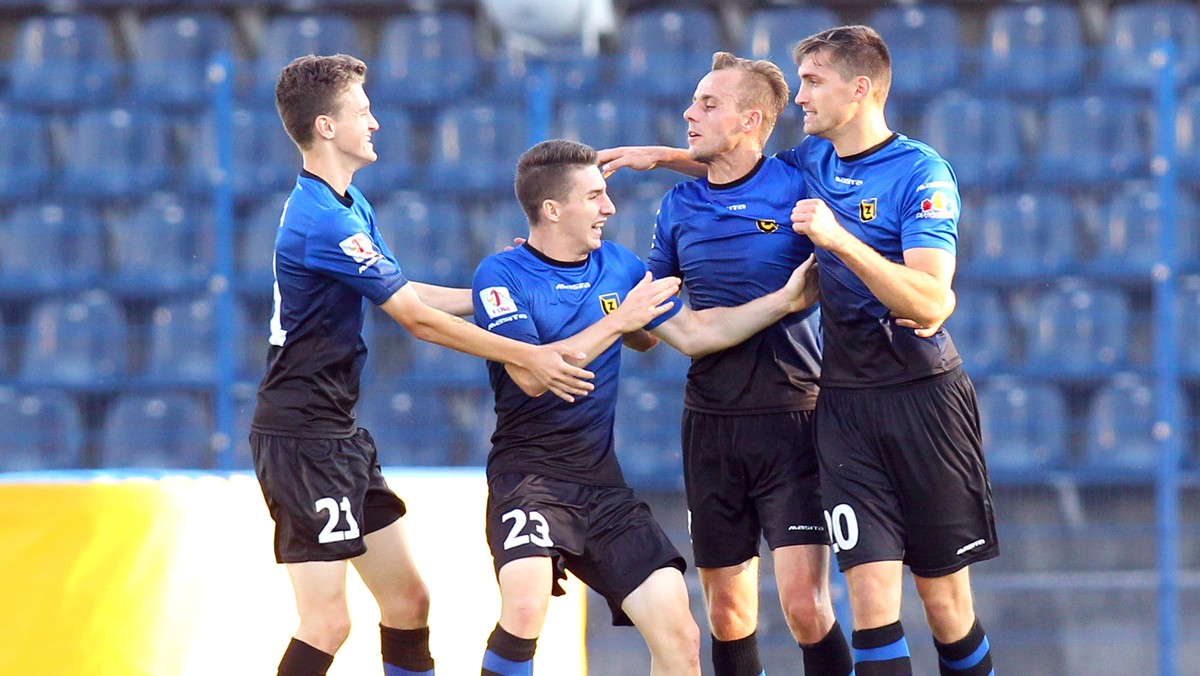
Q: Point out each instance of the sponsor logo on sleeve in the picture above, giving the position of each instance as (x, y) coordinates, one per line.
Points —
(360, 247)
(937, 205)
(497, 301)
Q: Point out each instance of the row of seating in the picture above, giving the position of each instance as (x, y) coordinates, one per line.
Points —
(69, 60)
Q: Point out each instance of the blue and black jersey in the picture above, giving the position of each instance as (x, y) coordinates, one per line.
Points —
(898, 195)
(526, 296)
(329, 256)
(730, 244)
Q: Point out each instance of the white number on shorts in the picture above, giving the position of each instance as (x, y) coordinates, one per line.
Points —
(541, 530)
(843, 527)
(328, 534)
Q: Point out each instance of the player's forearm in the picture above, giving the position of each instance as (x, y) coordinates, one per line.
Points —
(451, 300)
(595, 339)
(435, 326)
(907, 292)
(640, 340)
(697, 333)
(678, 159)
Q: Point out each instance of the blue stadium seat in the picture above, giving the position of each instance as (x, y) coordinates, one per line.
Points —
(436, 365)
(1130, 226)
(1036, 48)
(1135, 32)
(633, 224)
(63, 62)
(24, 154)
(183, 341)
(164, 245)
(287, 36)
(646, 432)
(666, 51)
(393, 143)
(172, 53)
(607, 123)
(425, 60)
(1025, 426)
(169, 431)
(256, 246)
(264, 159)
(411, 426)
(494, 224)
(1077, 329)
(979, 137)
(1091, 141)
(1187, 137)
(430, 241)
(772, 32)
(926, 48)
(1121, 419)
(980, 327)
(32, 231)
(116, 153)
(389, 349)
(572, 74)
(244, 401)
(78, 341)
(1187, 322)
(1021, 234)
(41, 431)
(475, 148)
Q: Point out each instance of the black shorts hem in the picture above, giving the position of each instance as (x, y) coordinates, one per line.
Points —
(332, 556)
(619, 618)
(957, 565)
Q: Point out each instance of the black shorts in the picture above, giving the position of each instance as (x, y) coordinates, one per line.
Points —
(605, 535)
(324, 494)
(749, 477)
(904, 477)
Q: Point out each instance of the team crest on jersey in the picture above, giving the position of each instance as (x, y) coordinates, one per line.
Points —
(867, 209)
(497, 301)
(767, 225)
(609, 302)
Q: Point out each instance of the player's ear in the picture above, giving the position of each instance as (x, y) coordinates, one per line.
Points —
(550, 211)
(323, 126)
(863, 87)
(752, 120)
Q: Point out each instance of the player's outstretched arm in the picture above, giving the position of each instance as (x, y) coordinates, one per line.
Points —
(448, 299)
(697, 333)
(542, 368)
(645, 158)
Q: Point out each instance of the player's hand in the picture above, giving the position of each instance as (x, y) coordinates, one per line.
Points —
(812, 218)
(517, 241)
(803, 288)
(644, 302)
(639, 158)
(927, 331)
(549, 370)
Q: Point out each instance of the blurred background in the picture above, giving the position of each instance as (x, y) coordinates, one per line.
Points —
(143, 170)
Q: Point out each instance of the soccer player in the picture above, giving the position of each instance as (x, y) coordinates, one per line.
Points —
(902, 467)
(557, 499)
(750, 466)
(317, 469)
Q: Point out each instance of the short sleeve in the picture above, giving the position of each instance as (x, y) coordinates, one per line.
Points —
(343, 248)
(663, 260)
(931, 208)
(636, 269)
(501, 304)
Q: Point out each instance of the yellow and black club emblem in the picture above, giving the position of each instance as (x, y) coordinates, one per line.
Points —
(609, 302)
(866, 209)
(767, 226)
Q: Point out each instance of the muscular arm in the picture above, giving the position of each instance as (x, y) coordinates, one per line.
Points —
(698, 333)
(450, 300)
(645, 158)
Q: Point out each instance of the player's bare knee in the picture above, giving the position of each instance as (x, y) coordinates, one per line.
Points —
(326, 631)
(408, 609)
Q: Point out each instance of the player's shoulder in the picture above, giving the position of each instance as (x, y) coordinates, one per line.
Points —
(917, 151)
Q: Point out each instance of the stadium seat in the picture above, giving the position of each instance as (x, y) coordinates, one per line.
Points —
(165, 245)
(393, 143)
(1036, 48)
(475, 148)
(633, 224)
(31, 231)
(24, 154)
(169, 431)
(77, 341)
(572, 74)
(979, 137)
(980, 327)
(389, 349)
(411, 426)
(1026, 426)
(6, 343)
(926, 48)
(1187, 138)
(607, 123)
(772, 32)
(256, 246)
(425, 60)
(264, 159)
(1136, 30)
(172, 53)
(1120, 428)
(435, 365)
(63, 62)
(1078, 329)
(116, 153)
(287, 36)
(41, 431)
(1026, 234)
(183, 341)
(494, 224)
(430, 241)
(1092, 141)
(1130, 227)
(646, 434)
(665, 52)
(1187, 324)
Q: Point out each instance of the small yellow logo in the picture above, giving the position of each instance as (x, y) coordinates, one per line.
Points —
(866, 209)
(767, 225)
(609, 302)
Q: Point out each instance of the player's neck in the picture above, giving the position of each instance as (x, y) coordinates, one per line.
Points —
(860, 134)
(730, 166)
(555, 249)
(329, 168)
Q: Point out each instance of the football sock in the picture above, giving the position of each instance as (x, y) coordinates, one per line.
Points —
(301, 659)
(968, 656)
(881, 651)
(830, 656)
(738, 657)
(405, 651)
(508, 655)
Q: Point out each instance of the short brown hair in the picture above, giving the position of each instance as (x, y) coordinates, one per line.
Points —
(763, 87)
(852, 51)
(542, 175)
(309, 87)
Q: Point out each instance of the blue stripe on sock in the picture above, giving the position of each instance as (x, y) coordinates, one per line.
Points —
(884, 653)
(970, 660)
(493, 662)
(393, 670)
